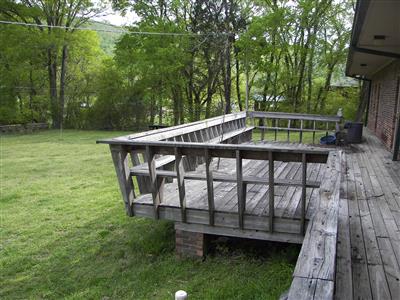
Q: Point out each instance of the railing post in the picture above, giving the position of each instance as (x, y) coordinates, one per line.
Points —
(327, 128)
(288, 132)
(210, 187)
(303, 192)
(180, 174)
(313, 134)
(120, 158)
(241, 188)
(271, 190)
(143, 182)
(263, 129)
(157, 185)
(276, 128)
(301, 131)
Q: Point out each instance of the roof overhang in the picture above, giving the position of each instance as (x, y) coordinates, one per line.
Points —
(375, 40)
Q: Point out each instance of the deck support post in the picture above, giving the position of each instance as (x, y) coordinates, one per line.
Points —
(180, 172)
(271, 190)
(303, 193)
(120, 158)
(241, 188)
(190, 244)
(157, 184)
(210, 186)
(301, 131)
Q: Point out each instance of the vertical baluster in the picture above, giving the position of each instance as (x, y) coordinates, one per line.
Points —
(301, 131)
(288, 132)
(157, 185)
(303, 192)
(180, 174)
(327, 128)
(241, 188)
(120, 159)
(264, 124)
(276, 128)
(143, 182)
(210, 186)
(271, 190)
(313, 134)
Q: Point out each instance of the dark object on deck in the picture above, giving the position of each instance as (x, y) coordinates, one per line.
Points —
(328, 140)
(157, 126)
(354, 132)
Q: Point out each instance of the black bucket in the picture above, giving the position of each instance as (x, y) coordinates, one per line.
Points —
(354, 132)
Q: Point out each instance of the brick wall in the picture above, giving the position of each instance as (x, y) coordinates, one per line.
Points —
(384, 103)
(193, 244)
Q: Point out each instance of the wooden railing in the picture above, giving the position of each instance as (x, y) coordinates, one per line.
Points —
(293, 122)
(121, 150)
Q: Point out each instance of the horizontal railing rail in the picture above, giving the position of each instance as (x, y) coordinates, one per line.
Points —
(293, 122)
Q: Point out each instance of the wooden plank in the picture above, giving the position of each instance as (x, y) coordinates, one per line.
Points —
(303, 194)
(306, 289)
(293, 116)
(210, 187)
(241, 196)
(229, 178)
(301, 132)
(318, 253)
(248, 234)
(317, 155)
(156, 184)
(143, 182)
(271, 191)
(391, 266)
(180, 172)
(120, 159)
(165, 133)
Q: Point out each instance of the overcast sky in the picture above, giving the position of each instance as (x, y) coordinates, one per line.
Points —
(115, 18)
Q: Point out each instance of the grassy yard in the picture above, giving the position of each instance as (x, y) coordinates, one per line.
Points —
(64, 234)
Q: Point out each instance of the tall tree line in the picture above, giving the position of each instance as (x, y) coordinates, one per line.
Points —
(283, 55)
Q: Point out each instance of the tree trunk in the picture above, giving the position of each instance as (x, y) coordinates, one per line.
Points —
(227, 78)
(64, 59)
(239, 98)
(52, 73)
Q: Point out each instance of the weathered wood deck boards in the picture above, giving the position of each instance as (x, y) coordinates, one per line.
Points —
(254, 215)
(368, 247)
(225, 193)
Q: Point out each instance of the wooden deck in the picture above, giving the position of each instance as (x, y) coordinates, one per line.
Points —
(368, 246)
(286, 198)
(367, 255)
(341, 204)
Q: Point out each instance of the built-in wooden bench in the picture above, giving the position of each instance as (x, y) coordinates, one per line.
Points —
(314, 275)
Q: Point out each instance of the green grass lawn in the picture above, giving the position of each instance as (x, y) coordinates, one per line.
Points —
(64, 234)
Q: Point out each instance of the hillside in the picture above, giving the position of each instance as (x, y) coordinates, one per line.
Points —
(107, 39)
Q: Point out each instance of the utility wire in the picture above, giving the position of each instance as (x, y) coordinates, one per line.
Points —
(112, 31)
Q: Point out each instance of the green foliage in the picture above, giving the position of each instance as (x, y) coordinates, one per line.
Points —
(288, 51)
(65, 234)
(107, 39)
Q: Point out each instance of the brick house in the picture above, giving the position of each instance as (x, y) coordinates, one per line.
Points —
(374, 56)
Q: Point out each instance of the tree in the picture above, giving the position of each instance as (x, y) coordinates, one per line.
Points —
(59, 18)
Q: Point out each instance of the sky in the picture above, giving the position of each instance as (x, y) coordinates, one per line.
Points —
(116, 18)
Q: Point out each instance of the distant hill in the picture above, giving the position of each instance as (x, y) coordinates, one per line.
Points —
(107, 39)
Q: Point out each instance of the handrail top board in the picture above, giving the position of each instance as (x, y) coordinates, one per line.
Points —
(260, 152)
(168, 132)
(293, 116)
